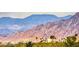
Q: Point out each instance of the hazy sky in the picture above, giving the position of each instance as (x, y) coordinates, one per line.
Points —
(25, 14)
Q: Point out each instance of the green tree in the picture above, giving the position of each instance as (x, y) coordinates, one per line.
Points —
(52, 37)
(70, 41)
(29, 44)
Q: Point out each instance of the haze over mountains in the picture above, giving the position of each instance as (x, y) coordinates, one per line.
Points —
(41, 26)
(10, 25)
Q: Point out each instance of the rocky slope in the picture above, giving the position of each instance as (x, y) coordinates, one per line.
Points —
(59, 29)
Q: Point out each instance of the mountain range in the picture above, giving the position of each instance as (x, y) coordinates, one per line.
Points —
(10, 25)
(41, 26)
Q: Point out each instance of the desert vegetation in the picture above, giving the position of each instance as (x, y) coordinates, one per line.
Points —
(70, 41)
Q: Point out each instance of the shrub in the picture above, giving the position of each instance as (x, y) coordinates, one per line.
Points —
(29, 44)
(71, 41)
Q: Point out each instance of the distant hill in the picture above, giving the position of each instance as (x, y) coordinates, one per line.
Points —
(10, 25)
